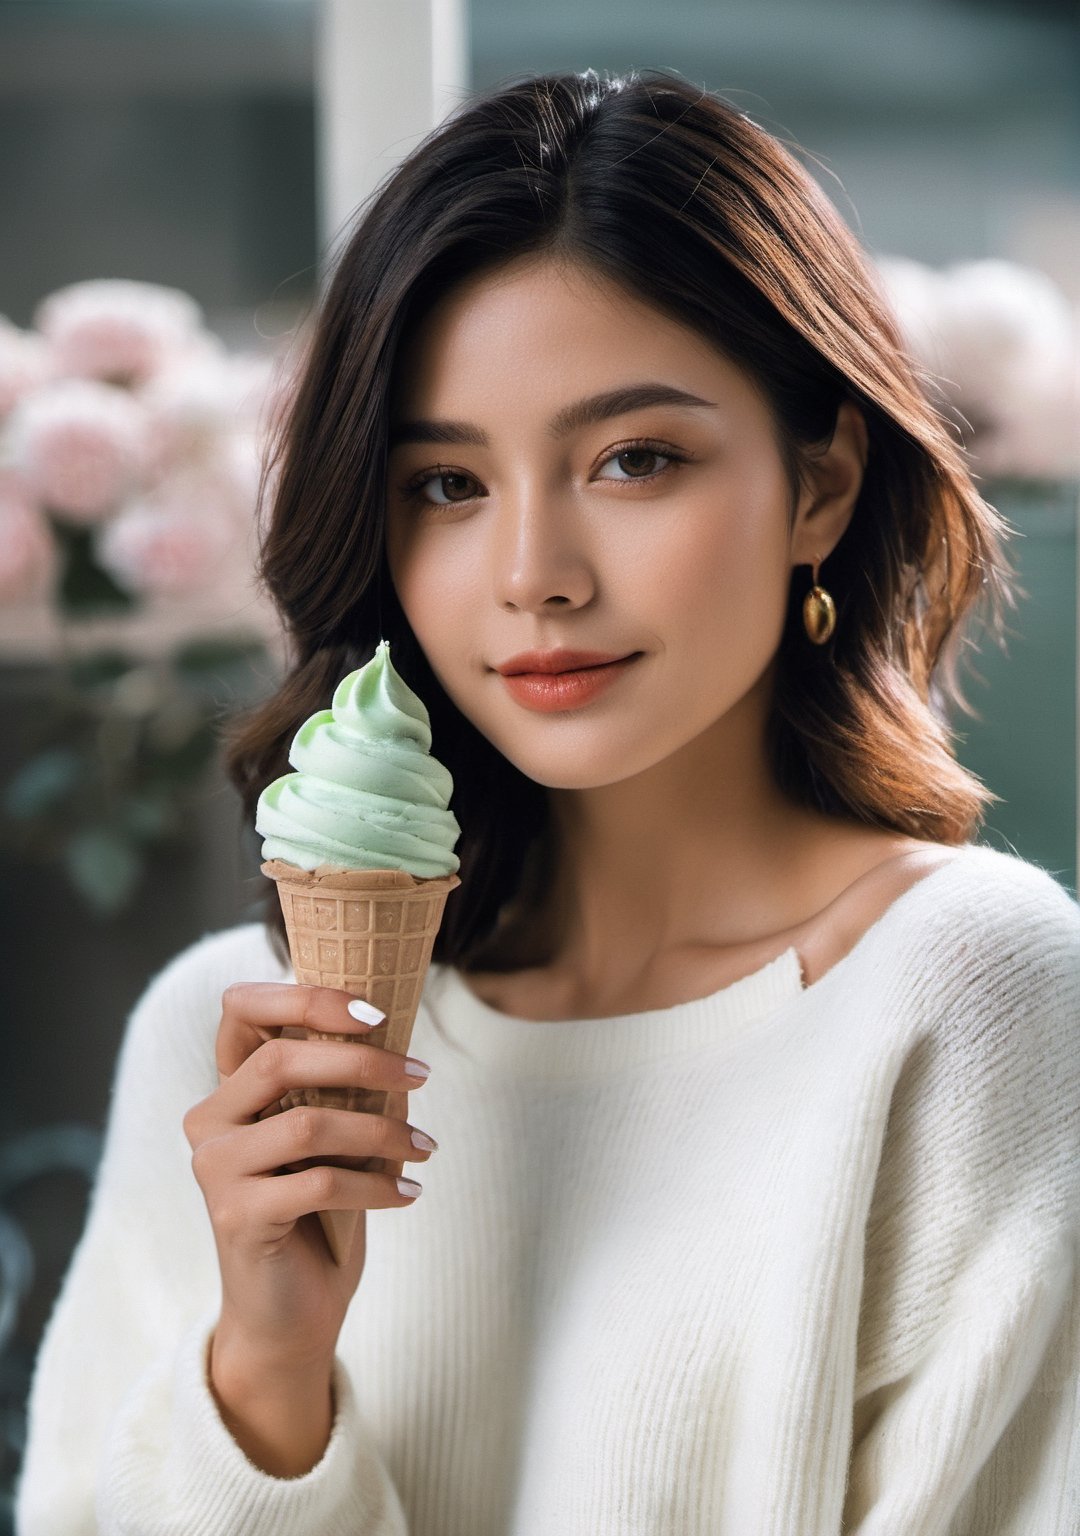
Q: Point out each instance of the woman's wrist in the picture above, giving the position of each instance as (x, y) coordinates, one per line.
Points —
(280, 1414)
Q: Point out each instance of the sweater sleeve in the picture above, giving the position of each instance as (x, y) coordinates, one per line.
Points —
(124, 1433)
(968, 1361)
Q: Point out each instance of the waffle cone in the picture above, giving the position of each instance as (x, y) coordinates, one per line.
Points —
(369, 932)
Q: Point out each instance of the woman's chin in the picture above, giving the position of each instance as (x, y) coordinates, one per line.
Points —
(569, 769)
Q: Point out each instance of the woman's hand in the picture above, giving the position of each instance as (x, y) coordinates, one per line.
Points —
(263, 1175)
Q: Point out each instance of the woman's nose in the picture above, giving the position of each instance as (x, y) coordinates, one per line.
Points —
(539, 559)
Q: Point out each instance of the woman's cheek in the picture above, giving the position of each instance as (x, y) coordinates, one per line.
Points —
(437, 587)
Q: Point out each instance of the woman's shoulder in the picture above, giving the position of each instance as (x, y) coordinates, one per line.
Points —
(180, 1006)
(241, 953)
(982, 888)
(935, 902)
(988, 924)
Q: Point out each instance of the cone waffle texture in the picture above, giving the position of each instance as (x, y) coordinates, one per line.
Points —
(369, 932)
(366, 931)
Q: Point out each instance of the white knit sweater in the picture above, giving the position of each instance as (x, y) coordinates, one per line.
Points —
(783, 1261)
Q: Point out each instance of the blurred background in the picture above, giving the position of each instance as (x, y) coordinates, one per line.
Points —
(175, 174)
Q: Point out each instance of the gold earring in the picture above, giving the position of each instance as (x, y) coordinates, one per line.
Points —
(818, 609)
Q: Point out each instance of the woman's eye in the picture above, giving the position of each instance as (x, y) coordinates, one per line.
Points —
(454, 487)
(638, 463)
(449, 487)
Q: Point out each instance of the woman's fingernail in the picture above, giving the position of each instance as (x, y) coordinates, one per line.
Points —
(365, 1012)
(416, 1068)
(425, 1142)
(410, 1187)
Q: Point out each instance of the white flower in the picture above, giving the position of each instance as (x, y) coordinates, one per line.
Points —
(80, 446)
(117, 329)
(1037, 435)
(1004, 347)
(1006, 332)
(159, 550)
(915, 294)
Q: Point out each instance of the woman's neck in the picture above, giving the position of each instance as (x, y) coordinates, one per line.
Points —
(702, 848)
(678, 881)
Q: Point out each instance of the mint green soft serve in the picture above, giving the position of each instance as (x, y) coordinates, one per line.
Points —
(367, 793)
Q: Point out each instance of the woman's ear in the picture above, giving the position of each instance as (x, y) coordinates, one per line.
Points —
(833, 480)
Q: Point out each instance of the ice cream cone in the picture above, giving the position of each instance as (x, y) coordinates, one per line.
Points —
(369, 932)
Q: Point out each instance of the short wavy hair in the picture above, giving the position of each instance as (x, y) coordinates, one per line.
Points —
(681, 198)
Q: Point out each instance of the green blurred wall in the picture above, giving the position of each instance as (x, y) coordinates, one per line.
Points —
(1025, 746)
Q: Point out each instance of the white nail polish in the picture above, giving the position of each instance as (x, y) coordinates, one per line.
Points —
(365, 1012)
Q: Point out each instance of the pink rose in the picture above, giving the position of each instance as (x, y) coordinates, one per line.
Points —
(24, 364)
(222, 486)
(198, 400)
(80, 445)
(284, 381)
(28, 554)
(157, 550)
(116, 329)
(238, 470)
(252, 377)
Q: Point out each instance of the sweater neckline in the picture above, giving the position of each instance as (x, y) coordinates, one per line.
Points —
(563, 1048)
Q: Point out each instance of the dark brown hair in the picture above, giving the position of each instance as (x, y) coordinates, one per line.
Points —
(682, 199)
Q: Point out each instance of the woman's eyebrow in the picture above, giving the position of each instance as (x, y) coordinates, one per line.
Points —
(581, 413)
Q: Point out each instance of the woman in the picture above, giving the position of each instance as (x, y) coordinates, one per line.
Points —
(755, 1079)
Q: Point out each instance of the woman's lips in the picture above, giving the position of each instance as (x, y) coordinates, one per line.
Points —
(548, 692)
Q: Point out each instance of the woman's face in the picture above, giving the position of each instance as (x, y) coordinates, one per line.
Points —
(536, 508)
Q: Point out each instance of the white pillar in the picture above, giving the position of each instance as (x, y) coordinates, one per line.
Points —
(386, 71)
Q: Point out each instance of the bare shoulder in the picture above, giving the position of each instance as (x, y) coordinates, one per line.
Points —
(1005, 915)
(890, 865)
